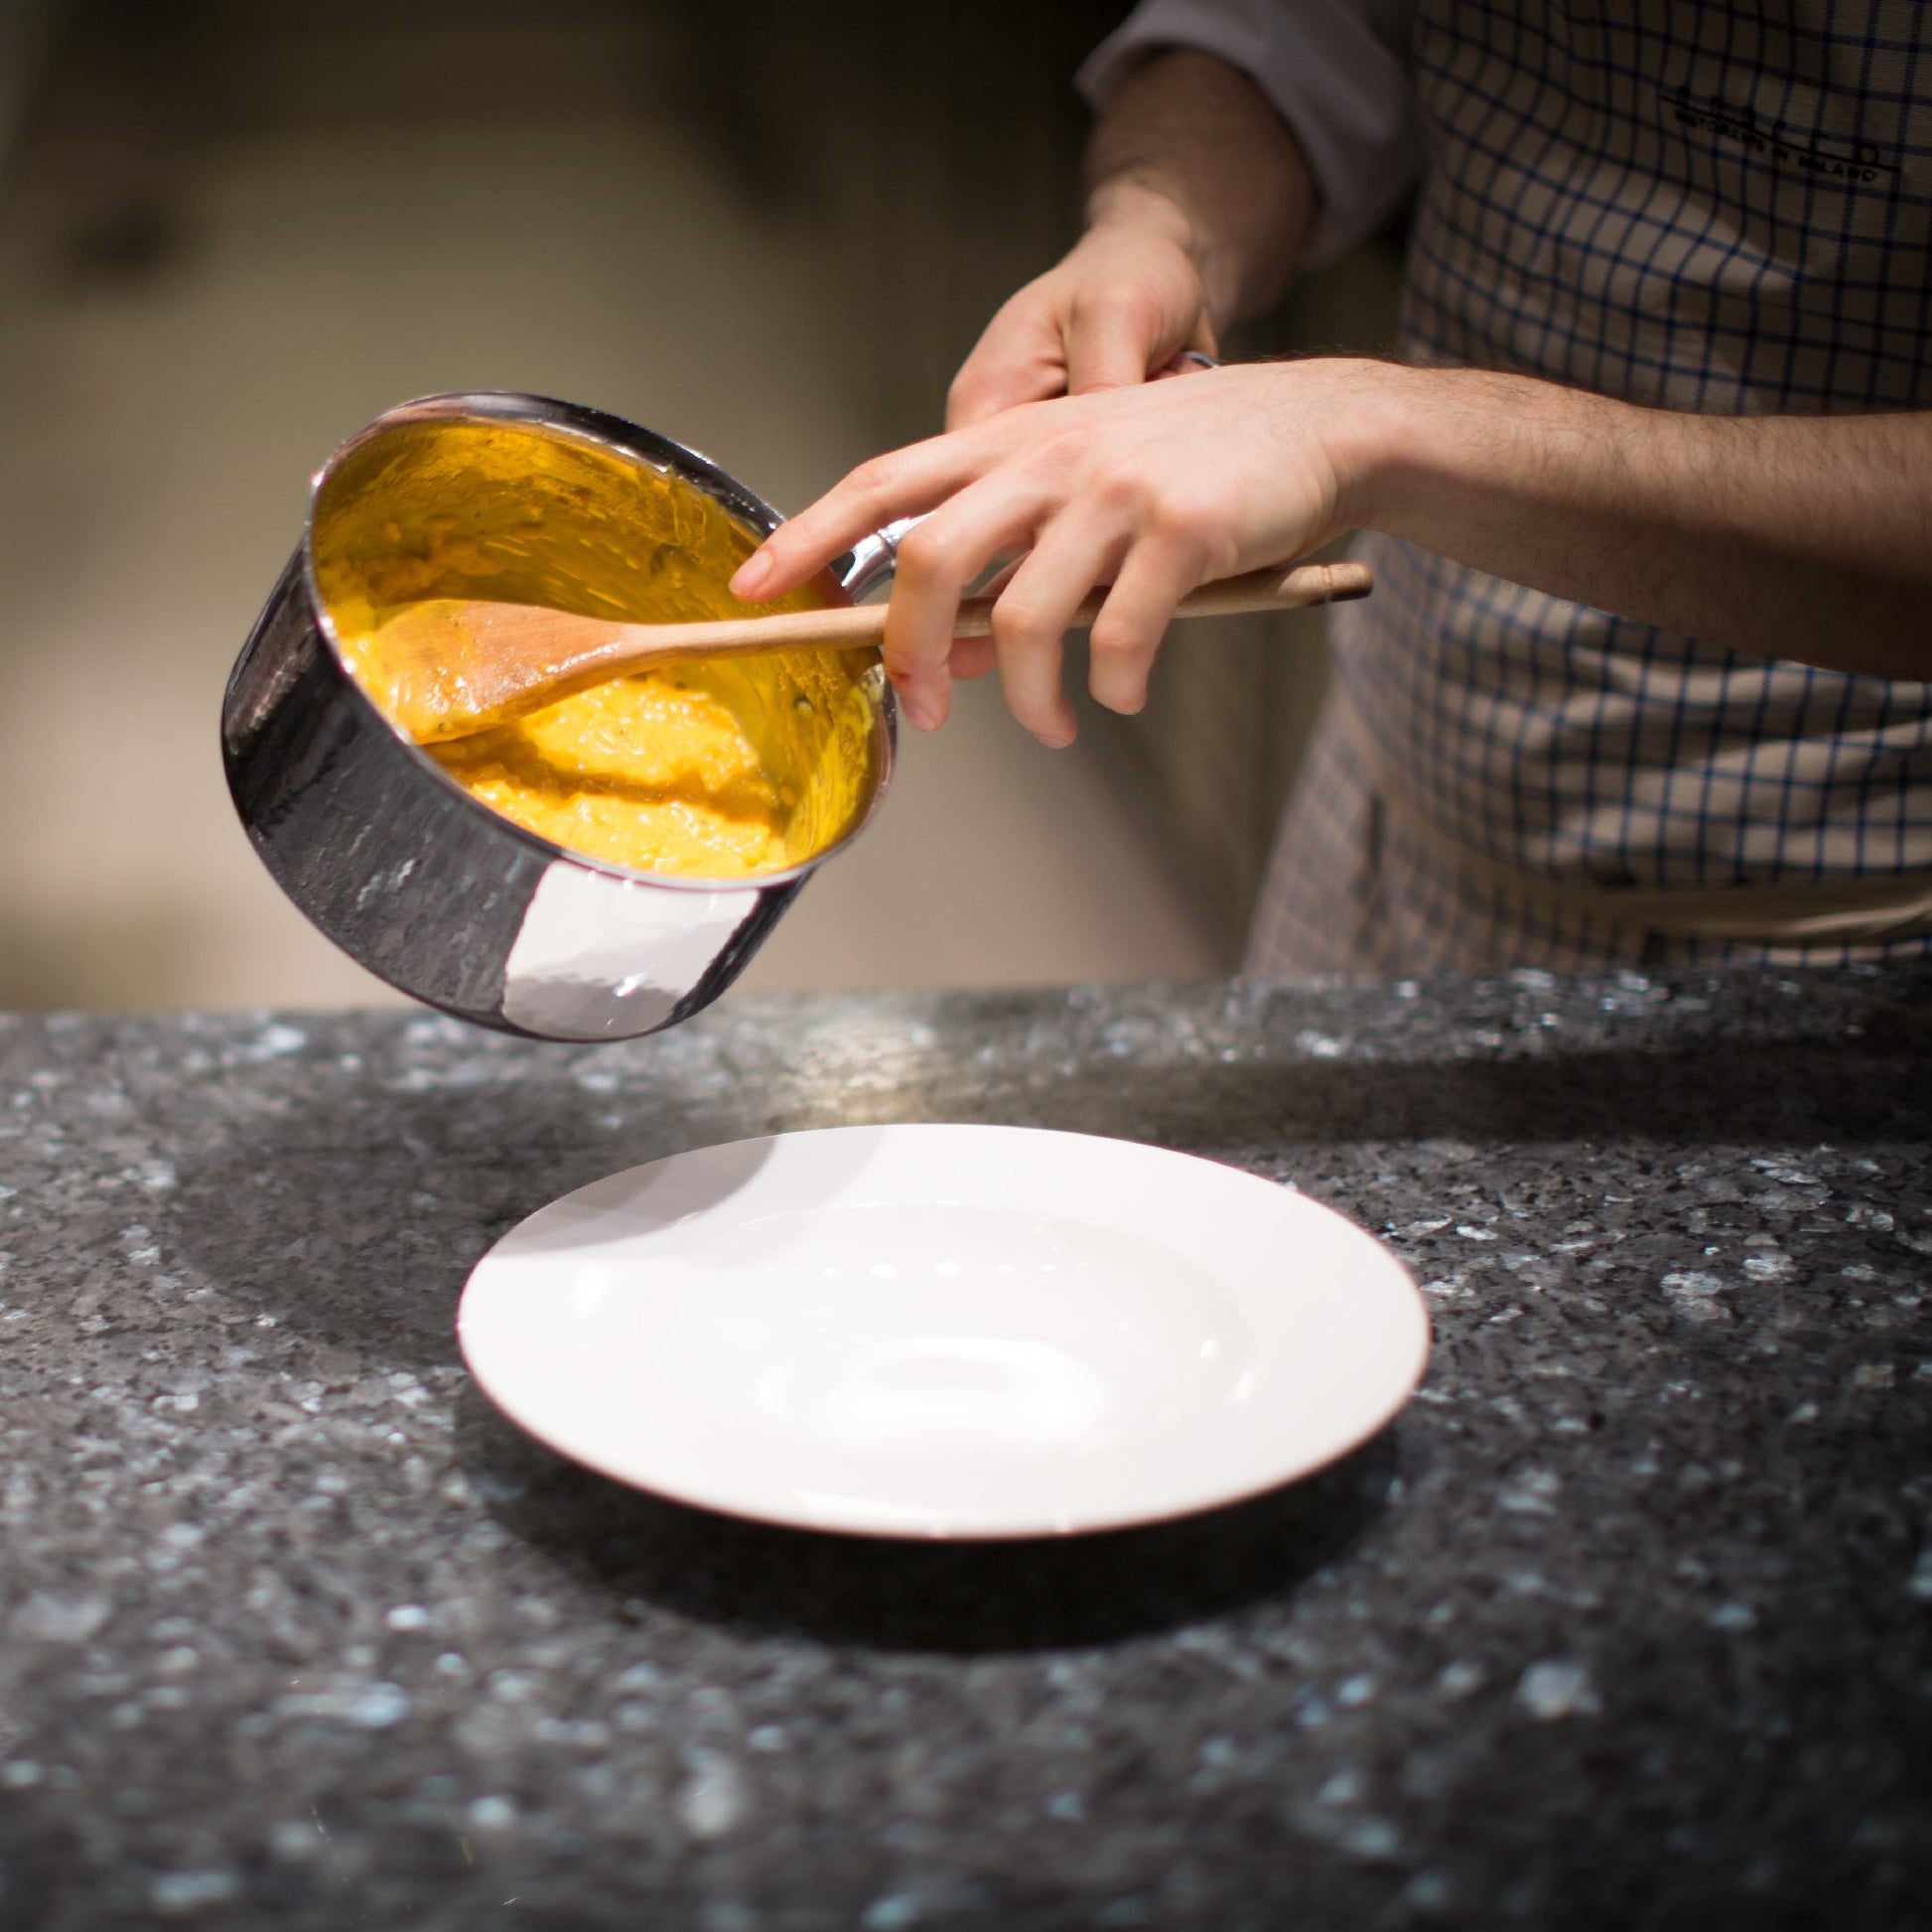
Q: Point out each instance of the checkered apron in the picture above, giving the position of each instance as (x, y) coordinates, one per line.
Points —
(1712, 207)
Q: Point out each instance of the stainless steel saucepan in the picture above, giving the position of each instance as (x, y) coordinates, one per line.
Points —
(519, 498)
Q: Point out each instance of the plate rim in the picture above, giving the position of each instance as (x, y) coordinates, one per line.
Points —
(1035, 1529)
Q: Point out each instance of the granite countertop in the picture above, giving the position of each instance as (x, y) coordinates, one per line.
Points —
(1626, 1621)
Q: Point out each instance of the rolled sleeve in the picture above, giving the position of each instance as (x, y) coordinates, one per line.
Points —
(1335, 70)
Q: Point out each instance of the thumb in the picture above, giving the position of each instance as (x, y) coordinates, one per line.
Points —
(1113, 340)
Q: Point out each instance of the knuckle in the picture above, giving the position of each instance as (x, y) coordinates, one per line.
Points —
(1021, 623)
(1119, 484)
(875, 477)
(1116, 642)
(1180, 522)
(925, 558)
(1054, 454)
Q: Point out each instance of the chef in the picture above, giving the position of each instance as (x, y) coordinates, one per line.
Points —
(1647, 490)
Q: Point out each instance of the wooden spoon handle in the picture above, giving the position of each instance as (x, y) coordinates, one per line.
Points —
(864, 623)
(1271, 588)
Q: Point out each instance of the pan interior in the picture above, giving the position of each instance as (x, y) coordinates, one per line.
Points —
(716, 767)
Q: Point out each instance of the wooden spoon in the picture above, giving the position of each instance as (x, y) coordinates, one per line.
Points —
(448, 667)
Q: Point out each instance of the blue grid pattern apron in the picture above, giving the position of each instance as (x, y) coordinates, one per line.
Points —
(1712, 207)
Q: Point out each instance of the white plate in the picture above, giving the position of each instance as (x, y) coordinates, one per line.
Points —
(949, 1331)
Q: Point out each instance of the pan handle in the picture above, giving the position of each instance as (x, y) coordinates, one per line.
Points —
(873, 559)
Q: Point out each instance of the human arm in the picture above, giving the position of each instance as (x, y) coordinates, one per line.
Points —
(1201, 200)
(1808, 538)
(1805, 538)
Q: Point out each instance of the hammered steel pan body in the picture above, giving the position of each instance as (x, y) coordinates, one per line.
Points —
(432, 891)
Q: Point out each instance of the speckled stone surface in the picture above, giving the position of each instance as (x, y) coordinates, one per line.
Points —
(1626, 1621)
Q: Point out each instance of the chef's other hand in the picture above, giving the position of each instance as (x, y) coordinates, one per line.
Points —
(1151, 489)
(1198, 201)
(1116, 311)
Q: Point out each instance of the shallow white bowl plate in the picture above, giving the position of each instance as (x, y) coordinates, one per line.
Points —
(948, 1331)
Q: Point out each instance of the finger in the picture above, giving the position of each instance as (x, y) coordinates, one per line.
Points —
(936, 562)
(1114, 338)
(974, 656)
(1030, 622)
(1018, 359)
(971, 657)
(1127, 634)
(902, 482)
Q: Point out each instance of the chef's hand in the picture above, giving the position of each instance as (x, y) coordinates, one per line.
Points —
(1198, 201)
(1123, 306)
(1068, 452)
(1152, 489)
(1796, 537)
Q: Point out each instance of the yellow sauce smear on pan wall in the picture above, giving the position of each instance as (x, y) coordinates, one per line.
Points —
(715, 769)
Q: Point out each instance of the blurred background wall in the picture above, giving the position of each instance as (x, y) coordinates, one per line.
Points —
(231, 230)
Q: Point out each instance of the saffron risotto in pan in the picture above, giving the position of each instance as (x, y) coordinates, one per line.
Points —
(721, 768)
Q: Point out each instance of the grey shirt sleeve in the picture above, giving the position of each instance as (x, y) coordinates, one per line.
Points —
(1335, 70)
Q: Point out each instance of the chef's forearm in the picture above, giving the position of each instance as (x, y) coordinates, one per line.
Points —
(1190, 132)
(1807, 539)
